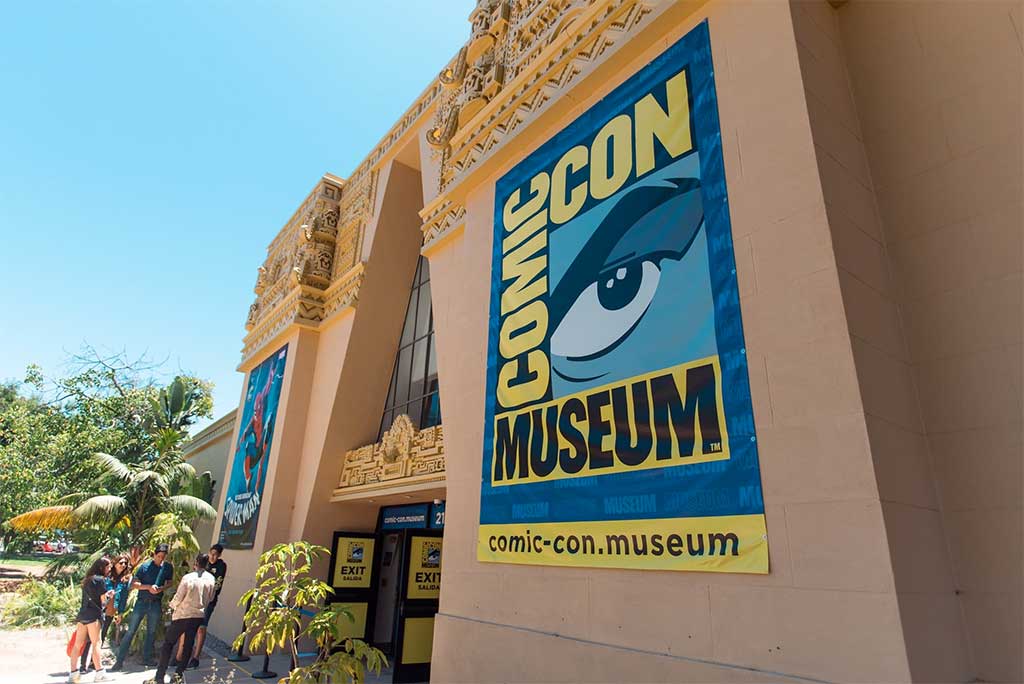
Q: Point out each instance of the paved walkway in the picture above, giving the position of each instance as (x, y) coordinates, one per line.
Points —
(37, 656)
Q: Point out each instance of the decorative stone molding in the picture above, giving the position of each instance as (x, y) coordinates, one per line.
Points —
(520, 55)
(355, 213)
(344, 292)
(312, 268)
(548, 45)
(404, 457)
(445, 218)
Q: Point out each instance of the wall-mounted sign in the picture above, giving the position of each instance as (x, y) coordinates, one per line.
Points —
(619, 428)
(353, 560)
(412, 516)
(424, 568)
(437, 516)
(252, 453)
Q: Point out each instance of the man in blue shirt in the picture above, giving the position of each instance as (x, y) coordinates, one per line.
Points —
(151, 579)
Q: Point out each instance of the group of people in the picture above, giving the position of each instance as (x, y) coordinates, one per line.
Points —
(105, 591)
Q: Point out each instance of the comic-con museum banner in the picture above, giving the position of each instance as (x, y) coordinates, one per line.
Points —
(619, 425)
(252, 453)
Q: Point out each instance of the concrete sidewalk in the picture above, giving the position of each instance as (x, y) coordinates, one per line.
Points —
(37, 656)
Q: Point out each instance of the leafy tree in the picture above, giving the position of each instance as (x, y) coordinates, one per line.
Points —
(284, 590)
(26, 475)
(118, 452)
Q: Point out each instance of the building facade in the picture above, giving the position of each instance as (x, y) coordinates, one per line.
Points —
(859, 189)
(208, 451)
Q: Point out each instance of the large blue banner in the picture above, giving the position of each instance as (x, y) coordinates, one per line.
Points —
(252, 453)
(619, 425)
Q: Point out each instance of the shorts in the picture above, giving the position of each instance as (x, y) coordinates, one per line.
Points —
(88, 617)
(208, 613)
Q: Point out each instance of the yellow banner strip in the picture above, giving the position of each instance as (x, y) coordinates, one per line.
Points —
(733, 543)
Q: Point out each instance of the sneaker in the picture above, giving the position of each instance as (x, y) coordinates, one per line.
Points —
(102, 676)
(178, 679)
(116, 667)
(74, 678)
(193, 664)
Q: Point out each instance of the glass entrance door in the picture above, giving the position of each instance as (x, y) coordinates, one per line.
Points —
(387, 589)
(418, 601)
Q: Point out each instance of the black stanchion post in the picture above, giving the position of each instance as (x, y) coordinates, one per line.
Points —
(265, 673)
(239, 656)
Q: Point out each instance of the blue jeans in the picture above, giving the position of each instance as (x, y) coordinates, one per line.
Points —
(152, 612)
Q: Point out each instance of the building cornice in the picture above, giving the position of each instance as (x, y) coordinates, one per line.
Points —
(528, 53)
(521, 57)
(211, 433)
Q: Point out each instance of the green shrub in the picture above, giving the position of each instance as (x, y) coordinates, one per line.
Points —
(39, 603)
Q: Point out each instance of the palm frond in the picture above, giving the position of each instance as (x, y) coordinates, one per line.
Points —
(102, 508)
(46, 518)
(112, 466)
(141, 476)
(74, 498)
(181, 472)
(60, 564)
(191, 507)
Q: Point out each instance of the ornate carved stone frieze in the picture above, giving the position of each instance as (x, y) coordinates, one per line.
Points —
(446, 217)
(354, 214)
(403, 456)
(295, 285)
(344, 292)
(521, 53)
(297, 255)
(475, 75)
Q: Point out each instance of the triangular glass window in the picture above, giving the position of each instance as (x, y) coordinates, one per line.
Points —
(413, 389)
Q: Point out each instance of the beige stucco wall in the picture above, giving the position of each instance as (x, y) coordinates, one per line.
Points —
(917, 118)
(209, 450)
(829, 607)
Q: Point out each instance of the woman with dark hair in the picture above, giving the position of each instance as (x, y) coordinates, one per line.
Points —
(118, 581)
(94, 595)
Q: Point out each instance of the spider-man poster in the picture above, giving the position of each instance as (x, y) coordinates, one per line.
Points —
(252, 453)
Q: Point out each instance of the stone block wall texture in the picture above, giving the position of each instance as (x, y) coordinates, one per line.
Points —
(916, 112)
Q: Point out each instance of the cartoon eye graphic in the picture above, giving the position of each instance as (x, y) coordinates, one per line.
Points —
(595, 309)
(616, 302)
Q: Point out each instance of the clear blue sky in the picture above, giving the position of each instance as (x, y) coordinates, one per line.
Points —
(150, 151)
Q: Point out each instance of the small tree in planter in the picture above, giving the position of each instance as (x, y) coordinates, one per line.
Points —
(273, 621)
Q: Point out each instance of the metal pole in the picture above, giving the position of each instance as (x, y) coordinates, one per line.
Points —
(239, 656)
(265, 673)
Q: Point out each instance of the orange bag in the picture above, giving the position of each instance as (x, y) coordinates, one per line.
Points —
(71, 643)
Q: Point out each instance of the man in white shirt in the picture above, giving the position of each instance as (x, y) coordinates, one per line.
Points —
(188, 609)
